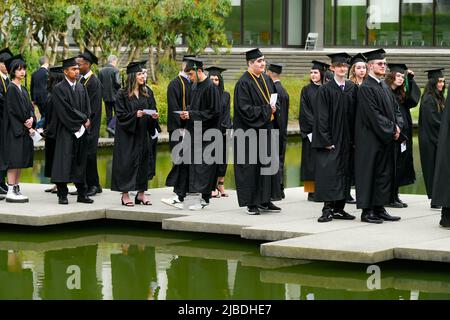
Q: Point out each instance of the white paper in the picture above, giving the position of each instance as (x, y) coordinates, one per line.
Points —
(273, 99)
(156, 135)
(150, 111)
(36, 136)
(403, 147)
(179, 112)
(309, 135)
(80, 132)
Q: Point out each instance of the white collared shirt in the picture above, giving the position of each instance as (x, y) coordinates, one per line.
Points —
(4, 76)
(339, 84)
(378, 80)
(71, 83)
(87, 75)
(184, 75)
(275, 81)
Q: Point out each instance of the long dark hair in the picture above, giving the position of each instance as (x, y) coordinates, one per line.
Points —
(18, 65)
(53, 80)
(431, 89)
(132, 83)
(400, 91)
(221, 85)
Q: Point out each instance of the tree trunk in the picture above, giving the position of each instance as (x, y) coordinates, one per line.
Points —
(152, 64)
(66, 46)
(54, 53)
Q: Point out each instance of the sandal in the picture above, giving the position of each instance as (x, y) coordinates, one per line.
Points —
(139, 201)
(127, 204)
(222, 194)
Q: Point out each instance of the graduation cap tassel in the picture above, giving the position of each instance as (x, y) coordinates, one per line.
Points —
(406, 83)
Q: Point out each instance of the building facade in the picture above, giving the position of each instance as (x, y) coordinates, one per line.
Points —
(340, 23)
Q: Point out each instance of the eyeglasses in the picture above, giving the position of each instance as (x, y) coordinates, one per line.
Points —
(381, 63)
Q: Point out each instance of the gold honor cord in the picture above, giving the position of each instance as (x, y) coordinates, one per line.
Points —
(3, 83)
(267, 98)
(87, 80)
(184, 93)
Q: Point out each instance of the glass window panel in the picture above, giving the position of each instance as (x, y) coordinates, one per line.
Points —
(383, 22)
(417, 23)
(257, 22)
(329, 22)
(351, 22)
(233, 23)
(295, 15)
(277, 22)
(442, 23)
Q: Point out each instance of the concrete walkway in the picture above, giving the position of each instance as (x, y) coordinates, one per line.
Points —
(292, 233)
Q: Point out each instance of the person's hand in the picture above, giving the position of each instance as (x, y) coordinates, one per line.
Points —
(31, 131)
(274, 109)
(155, 115)
(411, 72)
(140, 113)
(29, 123)
(397, 133)
(184, 115)
(330, 147)
(87, 124)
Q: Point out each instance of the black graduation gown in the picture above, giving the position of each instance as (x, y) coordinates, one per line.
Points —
(334, 120)
(3, 88)
(375, 125)
(283, 98)
(252, 111)
(175, 102)
(429, 124)
(405, 173)
(94, 90)
(441, 182)
(18, 148)
(132, 150)
(50, 136)
(151, 131)
(205, 108)
(225, 124)
(71, 109)
(306, 121)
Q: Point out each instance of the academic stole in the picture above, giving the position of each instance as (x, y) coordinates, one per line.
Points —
(184, 93)
(3, 83)
(87, 80)
(266, 97)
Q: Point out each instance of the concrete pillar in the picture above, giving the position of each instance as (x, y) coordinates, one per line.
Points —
(317, 21)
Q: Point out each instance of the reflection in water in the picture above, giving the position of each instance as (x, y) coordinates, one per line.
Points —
(164, 164)
(132, 261)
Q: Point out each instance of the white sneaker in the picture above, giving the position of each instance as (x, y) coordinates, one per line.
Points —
(199, 206)
(15, 196)
(173, 202)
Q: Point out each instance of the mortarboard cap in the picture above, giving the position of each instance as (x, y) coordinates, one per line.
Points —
(57, 69)
(67, 63)
(143, 64)
(186, 57)
(276, 67)
(357, 58)
(213, 70)
(435, 73)
(12, 62)
(378, 54)
(89, 56)
(134, 67)
(397, 67)
(341, 57)
(5, 54)
(317, 65)
(253, 54)
(193, 64)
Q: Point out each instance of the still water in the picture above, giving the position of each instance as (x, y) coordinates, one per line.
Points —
(124, 260)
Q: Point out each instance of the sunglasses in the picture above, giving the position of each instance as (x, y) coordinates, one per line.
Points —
(381, 64)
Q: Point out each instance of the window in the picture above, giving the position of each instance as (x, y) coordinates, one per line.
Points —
(442, 23)
(351, 22)
(383, 23)
(295, 16)
(233, 23)
(417, 23)
(257, 22)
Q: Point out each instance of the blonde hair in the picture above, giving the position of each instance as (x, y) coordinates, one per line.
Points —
(353, 77)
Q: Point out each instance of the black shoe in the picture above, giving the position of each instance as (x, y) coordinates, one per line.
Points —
(370, 217)
(63, 200)
(327, 216)
(282, 194)
(383, 214)
(311, 196)
(405, 205)
(342, 215)
(269, 207)
(73, 193)
(92, 191)
(253, 210)
(445, 218)
(2, 198)
(84, 199)
(350, 200)
(436, 207)
(395, 204)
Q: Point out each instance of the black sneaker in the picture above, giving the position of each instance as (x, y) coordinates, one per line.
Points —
(326, 216)
(269, 207)
(253, 210)
(342, 215)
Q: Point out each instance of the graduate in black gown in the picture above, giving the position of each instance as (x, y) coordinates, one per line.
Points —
(333, 140)
(377, 127)
(274, 72)
(56, 75)
(253, 112)
(430, 114)
(18, 128)
(306, 122)
(204, 111)
(5, 54)
(132, 150)
(94, 89)
(215, 74)
(407, 95)
(441, 182)
(71, 112)
(178, 93)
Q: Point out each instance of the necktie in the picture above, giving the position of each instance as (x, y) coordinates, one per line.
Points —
(342, 87)
(73, 87)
